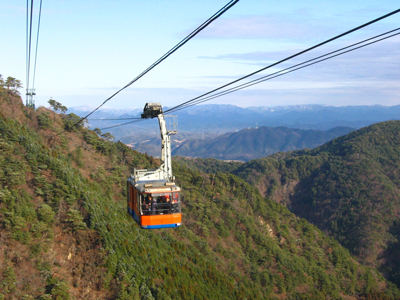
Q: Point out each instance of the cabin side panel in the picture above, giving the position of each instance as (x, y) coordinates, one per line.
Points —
(162, 219)
(133, 203)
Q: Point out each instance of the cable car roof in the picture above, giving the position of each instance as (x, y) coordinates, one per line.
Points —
(156, 186)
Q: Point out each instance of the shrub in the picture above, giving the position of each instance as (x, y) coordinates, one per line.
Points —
(72, 122)
(46, 214)
(44, 120)
(58, 289)
(75, 220)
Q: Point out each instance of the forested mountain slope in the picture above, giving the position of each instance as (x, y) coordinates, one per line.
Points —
(65, 233)
(349, 188)
(252, 143)
(208, 165)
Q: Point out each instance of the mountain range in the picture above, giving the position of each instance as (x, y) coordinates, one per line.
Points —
(220, 119)
(234, 133)
(253, 143)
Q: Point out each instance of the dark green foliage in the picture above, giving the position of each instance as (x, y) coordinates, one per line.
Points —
(285, 255)
(75, 220)
(108, 136)
(57, 289)
(72, 122)
(10, 85)
(208, 165)
(76, 156)
(57, 106)
(8, 283)
(44, 120)
(46, 214)
(26, 166)
(102, 145)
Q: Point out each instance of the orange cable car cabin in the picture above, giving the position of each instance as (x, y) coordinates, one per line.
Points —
(154, 204)
(153, 198)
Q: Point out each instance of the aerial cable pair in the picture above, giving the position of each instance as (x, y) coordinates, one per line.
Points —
(29, 21)
(291, 69)
(165, 56)
(173, 49)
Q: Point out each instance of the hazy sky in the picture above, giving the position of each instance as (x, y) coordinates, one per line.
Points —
(90, 49)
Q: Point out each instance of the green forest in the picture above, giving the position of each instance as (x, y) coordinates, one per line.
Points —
(65, 232)
(348, 187)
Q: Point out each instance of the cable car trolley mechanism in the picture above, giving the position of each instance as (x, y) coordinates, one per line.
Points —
(153, 197)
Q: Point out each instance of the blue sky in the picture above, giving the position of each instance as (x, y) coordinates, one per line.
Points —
(90, 49)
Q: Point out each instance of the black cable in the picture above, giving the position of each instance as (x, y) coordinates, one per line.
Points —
(123, 124)
(30, 42)
(290, 57)
(37, 43)
(283, 72)
(26, 58)
(253, 83)
(244, 85)
(114, 119)
(176, 47)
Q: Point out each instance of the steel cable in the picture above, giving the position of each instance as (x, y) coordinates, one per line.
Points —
(29, 44)
(166, 55)
(289, 69)
(37, 43)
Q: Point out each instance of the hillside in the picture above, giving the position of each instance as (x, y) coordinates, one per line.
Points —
(349, 188)
(207, 165)
(65, 233)
(252, 143)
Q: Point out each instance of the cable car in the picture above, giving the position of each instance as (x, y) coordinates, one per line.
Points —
(153, 198)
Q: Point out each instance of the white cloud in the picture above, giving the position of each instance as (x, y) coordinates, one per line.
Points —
(380, 61)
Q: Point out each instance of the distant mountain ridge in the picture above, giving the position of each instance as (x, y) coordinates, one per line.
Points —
(229, 118)
(253, 143)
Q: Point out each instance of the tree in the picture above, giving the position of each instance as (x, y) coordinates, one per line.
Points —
(97, 130)
(44, 120)
(1, 90)
(108, 136)
(10, 81)
(72, 122)
(46, 214)
(12, 84)
(57, 106)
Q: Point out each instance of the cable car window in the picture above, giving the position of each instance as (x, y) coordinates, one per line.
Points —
(176, 200)
(145, 201)
(165, 203)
